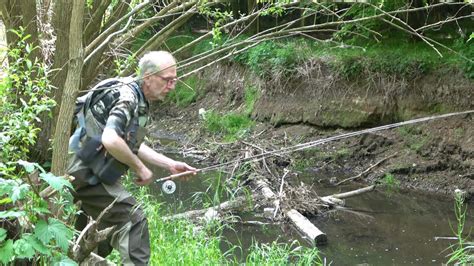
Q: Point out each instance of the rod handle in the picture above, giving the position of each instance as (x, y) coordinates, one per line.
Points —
(170, 177)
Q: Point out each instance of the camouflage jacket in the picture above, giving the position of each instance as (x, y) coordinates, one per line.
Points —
(115, 104)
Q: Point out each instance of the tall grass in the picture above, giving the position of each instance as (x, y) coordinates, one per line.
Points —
(282, 254)
(180, 242)
(463, 250)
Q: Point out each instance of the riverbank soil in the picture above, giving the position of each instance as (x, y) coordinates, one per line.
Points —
(430, 157)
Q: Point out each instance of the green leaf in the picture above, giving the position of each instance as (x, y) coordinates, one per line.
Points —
(37, 245)
(23, 249)
(5, 201)
(11, 214)
(42, 232)
(41, 210)
(19, 192)
(6, 187)
(65, 261)
(29, 167)
(6, 252)
(61, 233)
(56, 182)
(3, 234)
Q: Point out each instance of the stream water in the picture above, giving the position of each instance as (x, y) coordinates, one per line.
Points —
(377, 228)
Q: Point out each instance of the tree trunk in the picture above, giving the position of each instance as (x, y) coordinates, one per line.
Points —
(61, 21)
(71, 86)
(254, 27)
(30, 17)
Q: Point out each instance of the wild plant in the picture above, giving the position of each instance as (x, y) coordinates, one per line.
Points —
(463, 250)
(33, 230)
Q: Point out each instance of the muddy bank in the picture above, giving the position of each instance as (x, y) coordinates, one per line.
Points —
(434, 157)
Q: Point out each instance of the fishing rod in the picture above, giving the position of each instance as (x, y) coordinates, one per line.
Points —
(169, 185)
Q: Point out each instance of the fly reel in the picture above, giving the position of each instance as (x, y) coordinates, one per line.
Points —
(168, 187)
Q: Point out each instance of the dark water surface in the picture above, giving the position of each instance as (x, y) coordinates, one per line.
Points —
(377, 228)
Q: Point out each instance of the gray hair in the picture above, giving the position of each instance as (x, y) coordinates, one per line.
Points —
(153, 62)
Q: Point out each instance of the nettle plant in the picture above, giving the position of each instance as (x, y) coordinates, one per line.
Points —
(32, 227)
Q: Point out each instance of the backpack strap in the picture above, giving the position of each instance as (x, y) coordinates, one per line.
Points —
(80, 112)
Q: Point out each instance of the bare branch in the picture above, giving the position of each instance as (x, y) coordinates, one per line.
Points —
(408, 26)
(109, 30)
(443, 22)
(107, 40)
(91, 27)
(161, 36)
(140, 28)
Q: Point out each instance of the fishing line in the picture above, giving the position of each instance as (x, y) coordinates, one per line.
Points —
(310, 144)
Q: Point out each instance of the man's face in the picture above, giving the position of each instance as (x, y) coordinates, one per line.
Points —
(159, 84)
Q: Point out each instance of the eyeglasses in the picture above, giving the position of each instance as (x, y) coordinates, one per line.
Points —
(169, 80)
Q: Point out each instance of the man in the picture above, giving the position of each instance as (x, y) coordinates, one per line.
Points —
(111, 116)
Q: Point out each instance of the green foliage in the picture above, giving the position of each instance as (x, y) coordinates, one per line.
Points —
(282, 254)
(466, 48)
(180, 242)
(219, 17)
(414, 137)
(50, 236)
(390, 182)
(53, 230)
(24, 96)
(251, 95)
(233, 126)
(365, 30)
(353, 66)
(270, 58)
(6, 251)
(185, 92)
(123, 63)
(463, 250)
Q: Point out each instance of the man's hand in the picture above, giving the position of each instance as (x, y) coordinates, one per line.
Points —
(180, 167)
(144, 176)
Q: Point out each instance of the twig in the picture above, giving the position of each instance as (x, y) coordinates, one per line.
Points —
(366, 170)
(350, 193)
(423, 38)
(280, 193)
(443, 22)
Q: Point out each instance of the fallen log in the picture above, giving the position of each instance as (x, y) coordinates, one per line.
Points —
(299, 221)
(226, 206)
(308, 229)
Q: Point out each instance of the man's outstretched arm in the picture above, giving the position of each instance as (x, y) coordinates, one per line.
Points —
(147, 154)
